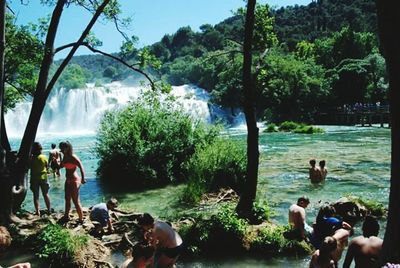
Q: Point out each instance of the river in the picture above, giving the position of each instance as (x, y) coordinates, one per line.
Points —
(358, 162)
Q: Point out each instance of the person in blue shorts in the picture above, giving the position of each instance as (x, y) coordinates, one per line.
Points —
(100, 213)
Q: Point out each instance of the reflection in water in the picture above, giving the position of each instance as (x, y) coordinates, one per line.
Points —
(358, 162)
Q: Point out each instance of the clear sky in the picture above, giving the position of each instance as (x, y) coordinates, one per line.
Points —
(151, 19)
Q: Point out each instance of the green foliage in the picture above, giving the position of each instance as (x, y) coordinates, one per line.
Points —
(228, 221)
(57, 243)
(149, 142)
(218, 165)
(374, 207)
(308, 130)
(223, 230)
(291, 88)
(288, 126)
(264, 36)
(271, 128)
(270, 240)
(261, 211)
(301, 128)
(305, 50)
(346, 44)
(73, 76)
(23, 53)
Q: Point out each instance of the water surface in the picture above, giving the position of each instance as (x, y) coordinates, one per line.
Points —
(358, 162)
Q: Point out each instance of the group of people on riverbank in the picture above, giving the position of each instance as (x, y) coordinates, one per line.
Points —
(40, 168)
(329, 235)
(161, 245)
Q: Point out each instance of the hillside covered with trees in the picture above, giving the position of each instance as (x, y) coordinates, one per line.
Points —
(324, 55)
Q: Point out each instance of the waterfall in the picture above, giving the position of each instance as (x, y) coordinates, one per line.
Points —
(78, 111)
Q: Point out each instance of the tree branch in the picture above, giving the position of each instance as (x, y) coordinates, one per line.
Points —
(119, 30)
(130, 66)
(84, 34)
(221, 54)
(20, 89)
(234, 41)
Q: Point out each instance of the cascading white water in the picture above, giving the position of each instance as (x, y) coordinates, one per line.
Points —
(78, 111)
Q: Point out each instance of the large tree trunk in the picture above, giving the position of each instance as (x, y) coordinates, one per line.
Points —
(245, 205)
(388, 23)
(42, 92)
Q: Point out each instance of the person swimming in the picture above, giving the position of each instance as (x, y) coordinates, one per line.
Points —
(72, 181)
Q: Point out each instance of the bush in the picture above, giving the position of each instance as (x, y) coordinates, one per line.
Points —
(148, 142)
(271, 128)
(223, 230)
(303, 129)
(261, 212)
(288, 126)
(218, 165)
(374, 207)
(58, 244)
(270, 240)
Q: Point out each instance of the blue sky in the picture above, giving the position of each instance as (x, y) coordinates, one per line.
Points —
(151, 19)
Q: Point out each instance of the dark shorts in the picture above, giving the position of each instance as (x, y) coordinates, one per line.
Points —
(172, 252)
(54, 165)
(42, 184)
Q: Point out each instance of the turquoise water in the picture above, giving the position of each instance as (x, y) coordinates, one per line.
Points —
(358, 162)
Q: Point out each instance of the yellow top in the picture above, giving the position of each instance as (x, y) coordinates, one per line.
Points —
(39, 167)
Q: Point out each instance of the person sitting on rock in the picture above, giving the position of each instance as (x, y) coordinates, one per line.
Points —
(297, 220)
(142, 255)
(100, 214)
(164, 238)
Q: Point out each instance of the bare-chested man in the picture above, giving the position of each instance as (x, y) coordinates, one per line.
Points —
(322, 170)
(314, 172)
(54, 160)
(297, 219)
(342, 238)
(365, 249)
(164, 238)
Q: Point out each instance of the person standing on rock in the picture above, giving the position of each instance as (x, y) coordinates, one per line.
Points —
(39, 180)
(72, 181)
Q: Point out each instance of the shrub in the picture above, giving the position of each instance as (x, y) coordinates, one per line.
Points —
(148, 142)
(374, 207)
(58, 244)
(303, 129)
(288, 126)
(223, 230)
(271, 128)
(270, 240)
(261, 212)
(217, 165)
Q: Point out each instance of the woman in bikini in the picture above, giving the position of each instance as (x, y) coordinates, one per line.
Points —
(72, 181)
